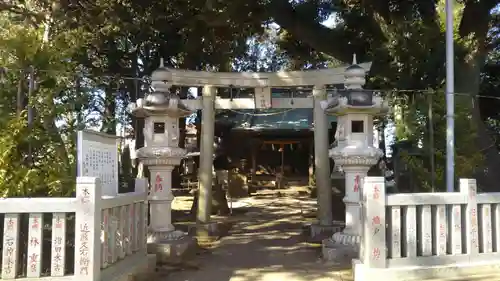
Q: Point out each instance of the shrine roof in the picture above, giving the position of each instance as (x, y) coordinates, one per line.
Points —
(270, 119)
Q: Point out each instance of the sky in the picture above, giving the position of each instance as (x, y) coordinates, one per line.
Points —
(330, 22)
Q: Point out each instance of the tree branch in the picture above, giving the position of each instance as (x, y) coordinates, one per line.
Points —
(35, 17)
(316, 35)
(476, 18)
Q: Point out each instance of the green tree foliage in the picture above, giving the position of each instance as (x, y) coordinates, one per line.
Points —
(88, 49)
(36, 160)
(84, 54)
(415, 111)
(405, 41)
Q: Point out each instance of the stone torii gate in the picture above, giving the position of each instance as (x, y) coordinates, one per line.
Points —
(263, 84)
(162, 102)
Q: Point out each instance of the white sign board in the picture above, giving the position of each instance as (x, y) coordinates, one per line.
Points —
(97, 156)
(263, 98)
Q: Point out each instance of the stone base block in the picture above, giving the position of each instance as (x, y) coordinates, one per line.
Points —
(173, 251)
(466, 271)
(346, 239)
(209, 232)
(338, 253)
(319, 232)
(160, 236)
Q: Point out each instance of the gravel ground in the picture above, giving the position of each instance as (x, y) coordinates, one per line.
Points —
(265, 244)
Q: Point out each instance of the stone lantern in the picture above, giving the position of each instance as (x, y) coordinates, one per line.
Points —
(161, 111)
(355, 152)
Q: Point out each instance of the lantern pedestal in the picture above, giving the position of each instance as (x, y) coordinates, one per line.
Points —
(354, 176)
(163, 240)
(355, 162)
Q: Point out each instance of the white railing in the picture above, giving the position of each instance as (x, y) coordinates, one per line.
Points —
(89, 237)
(425, 233)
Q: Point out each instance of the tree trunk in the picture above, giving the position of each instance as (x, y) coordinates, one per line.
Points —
(20, 95)
(109, 115)
(138, 123)
(473, 30)
(176, 173)
(49, 124)
(467, 74)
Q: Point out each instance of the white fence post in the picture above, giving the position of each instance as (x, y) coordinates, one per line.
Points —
(10, 251)
(105, 237)
(469, 187)
(58, 263)
(88, 229)
(141, 185)
(35, 243)
(374, 252)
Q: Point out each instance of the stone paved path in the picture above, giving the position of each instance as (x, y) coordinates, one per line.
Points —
(265, 245)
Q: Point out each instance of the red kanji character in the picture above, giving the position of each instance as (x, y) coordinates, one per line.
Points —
(376, 220)
(376, 192)
(33, 258)
(36, 223)
(356, 183)
(158, 181)
(376, 253)
(34, 241)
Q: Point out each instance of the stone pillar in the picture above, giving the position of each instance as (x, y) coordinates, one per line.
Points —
(206, 155)
(161, 198)
(321, 159)
(354, 177)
